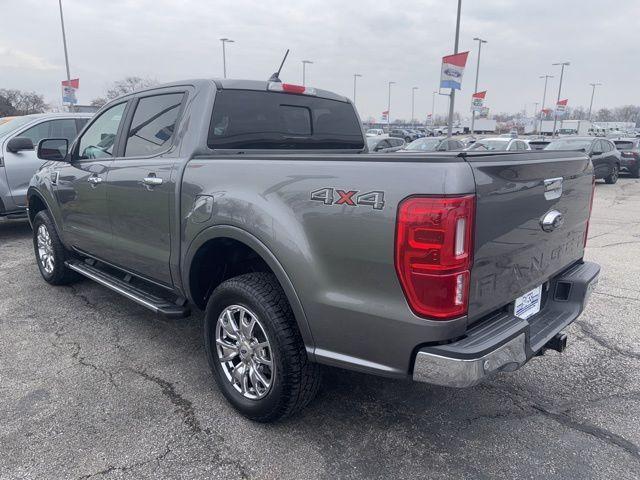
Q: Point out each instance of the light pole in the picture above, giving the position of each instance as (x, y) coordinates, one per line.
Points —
(473, 111)
(64, 43)
(433, 107)
(413, 101)
(555, 110)
(355, 77)
(389, 107)
(452, 95)
(593, 92)
(224, 55)
(544, 97)
(304, 70)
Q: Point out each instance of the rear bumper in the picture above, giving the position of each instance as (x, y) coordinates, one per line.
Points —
(505, 342)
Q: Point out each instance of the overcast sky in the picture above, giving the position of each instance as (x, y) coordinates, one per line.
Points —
(402, 41)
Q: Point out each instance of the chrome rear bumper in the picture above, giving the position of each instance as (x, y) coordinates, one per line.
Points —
(504, 343)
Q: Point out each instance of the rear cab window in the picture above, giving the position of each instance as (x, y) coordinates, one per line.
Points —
(248, 119)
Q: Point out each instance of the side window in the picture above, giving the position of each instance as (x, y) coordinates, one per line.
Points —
(607, 146)
(99, 139)
(396, 142)
(513, 146)
(153, 124)
(37, 132)
(598, 147)
(383, 144)
(63, 129)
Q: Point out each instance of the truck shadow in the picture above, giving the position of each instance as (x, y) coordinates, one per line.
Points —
(11, 230)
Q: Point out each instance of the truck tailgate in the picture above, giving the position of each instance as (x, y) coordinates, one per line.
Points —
(513, 254)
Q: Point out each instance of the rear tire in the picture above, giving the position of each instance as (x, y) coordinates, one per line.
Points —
(50, 252)
(613, 176)
(293, 380)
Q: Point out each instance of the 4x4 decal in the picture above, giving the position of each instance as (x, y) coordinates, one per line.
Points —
(334, 196)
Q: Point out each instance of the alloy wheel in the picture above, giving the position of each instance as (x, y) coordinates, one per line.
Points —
(45, 249)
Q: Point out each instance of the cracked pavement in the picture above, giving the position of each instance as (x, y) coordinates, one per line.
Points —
(94, 386)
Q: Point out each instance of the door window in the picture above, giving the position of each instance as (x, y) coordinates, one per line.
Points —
(153, 124)
(37, 132)
(99, 140)
(63, 129)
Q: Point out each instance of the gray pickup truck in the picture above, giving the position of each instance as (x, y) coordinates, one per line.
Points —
(259, 203)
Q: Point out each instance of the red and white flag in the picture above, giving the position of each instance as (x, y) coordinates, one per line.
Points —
(452, 70)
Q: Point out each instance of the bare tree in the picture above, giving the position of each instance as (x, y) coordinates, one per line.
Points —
(128, 85)
(24, 103)
(604, 115)
(98, 102)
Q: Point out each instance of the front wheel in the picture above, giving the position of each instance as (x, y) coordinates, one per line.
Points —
(613, 176)
(50, 252)
(255, 350)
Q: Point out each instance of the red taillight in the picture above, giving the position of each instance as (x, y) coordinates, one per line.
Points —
(434, 246)
(593, 194)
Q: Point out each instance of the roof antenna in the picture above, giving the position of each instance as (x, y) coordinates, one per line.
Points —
(276, 76)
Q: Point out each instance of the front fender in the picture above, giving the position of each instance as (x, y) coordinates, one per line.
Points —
(240, 235)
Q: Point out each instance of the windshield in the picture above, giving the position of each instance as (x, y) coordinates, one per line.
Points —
(624, 145)
(569, 144)
(490, 145)
(9, 124)
(244, 119)
(424, 145)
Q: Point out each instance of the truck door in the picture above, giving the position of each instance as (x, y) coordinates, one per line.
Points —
(80, 185)
(141, 187)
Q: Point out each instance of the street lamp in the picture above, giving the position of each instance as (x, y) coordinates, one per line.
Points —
(413, 100)
(555, 111)
(433, 107)
(355, 76)
(389, 107)
(473, 111)
(304, 70)
(593, 92)
(64, 44)
(544, 96)
(452, 95)
(224, 55)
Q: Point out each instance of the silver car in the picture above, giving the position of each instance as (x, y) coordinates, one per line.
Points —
(18, 160)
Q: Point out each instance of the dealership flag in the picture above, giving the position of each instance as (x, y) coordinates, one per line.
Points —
(385, 114)
(69, 88)
(477, 101)
(561, 106)
(452, 70)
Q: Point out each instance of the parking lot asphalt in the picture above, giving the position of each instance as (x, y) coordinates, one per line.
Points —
(94, 386)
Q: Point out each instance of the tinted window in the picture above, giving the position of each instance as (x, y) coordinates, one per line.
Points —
(37, 132)
(607, 147)
(99, 139)
(624, 145)
(254, 120)
(153, 124)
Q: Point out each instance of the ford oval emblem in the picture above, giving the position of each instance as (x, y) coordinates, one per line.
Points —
(551, 221)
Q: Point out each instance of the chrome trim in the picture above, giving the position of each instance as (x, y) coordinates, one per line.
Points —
(152, 181)
(551, 220)
(115, 288)
(458, 372)
(94, 180)
(553, 188)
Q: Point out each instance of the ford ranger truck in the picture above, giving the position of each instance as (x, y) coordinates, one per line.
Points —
(258, 203)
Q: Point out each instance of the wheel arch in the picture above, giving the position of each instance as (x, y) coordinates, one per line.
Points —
(218, 235)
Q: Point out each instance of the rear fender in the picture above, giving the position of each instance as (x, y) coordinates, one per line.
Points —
(235, 233)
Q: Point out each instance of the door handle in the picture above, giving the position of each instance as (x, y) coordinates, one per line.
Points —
(94, 180)
(152, 181)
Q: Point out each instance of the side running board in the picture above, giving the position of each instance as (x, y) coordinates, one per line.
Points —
(161, 306)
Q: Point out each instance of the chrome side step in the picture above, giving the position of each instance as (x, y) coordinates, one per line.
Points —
(161, 306)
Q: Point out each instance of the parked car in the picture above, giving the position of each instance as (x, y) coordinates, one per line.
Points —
(629, 149)
(499, 144)
(18, 159)
(406, 135)
(374, 132)
(193, 195)
(384, 144)
(433, 144)
(606, 158)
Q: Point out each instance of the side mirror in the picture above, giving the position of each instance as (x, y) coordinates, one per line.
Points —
(53, 149)
(17, 144)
